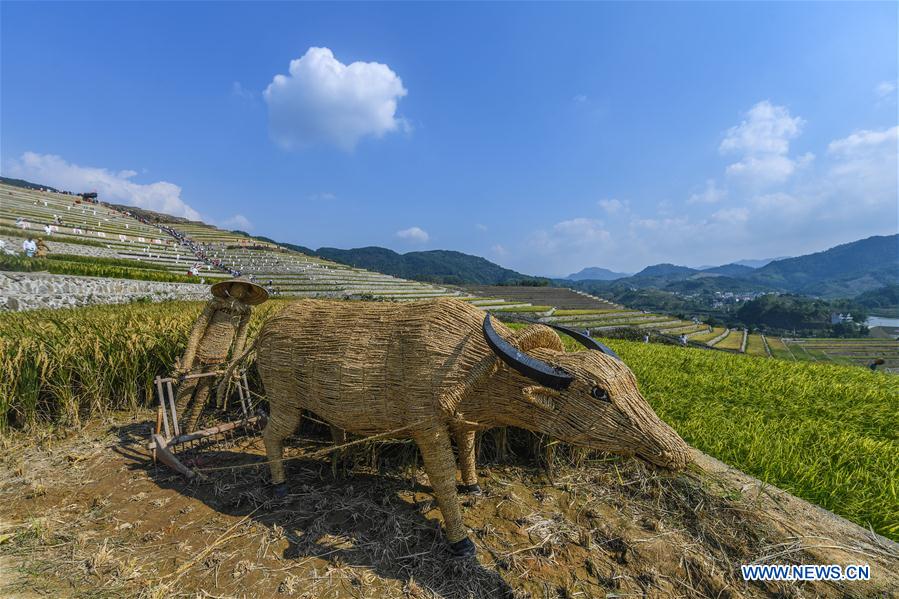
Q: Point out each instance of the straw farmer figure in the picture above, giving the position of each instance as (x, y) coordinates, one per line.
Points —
(219, 330)
(42, 248)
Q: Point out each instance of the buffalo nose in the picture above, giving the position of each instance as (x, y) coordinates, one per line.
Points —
(675, 457)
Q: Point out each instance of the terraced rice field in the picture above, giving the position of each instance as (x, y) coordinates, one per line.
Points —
(706, 337)
(561, 298)
(90, 230)
(102, 232)
(755, 346)
(732, 342)
(859, 352)
(778, 348)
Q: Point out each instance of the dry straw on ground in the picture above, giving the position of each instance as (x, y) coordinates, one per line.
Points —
(86, 517)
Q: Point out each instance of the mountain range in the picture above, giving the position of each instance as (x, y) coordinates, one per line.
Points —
(434, 266)
(595, 273)
(842, 271)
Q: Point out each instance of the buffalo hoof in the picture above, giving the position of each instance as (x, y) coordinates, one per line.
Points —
(474, 489)
(279, 491)
(463, 548)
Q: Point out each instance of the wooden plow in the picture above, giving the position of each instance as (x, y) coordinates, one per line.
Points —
(167, 437)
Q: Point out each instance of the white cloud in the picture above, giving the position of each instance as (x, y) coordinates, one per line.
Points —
(885, 88)
(763, 139)
(322, 100)
(240, 91)
(731, 216)
(499, 251)
(712, 194)
(480, 227)
(573, 235)
(766, 129)
(849, 194)
(238, 221)
(414, 234)
(612, 206)
(580, 231)
(579, 99)
(863, 173)
(324, 196)
(862, 141)
(52, 170)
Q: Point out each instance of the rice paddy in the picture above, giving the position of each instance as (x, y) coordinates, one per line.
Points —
(755, 346)
(733, 341)
(706, 337)
(858, 352)
(824, 432)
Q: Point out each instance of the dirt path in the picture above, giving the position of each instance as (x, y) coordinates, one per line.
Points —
(90, 516)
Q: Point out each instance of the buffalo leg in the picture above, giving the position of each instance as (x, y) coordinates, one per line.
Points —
(465, 443)
(440, 466)
(281, 424)
(338, 435)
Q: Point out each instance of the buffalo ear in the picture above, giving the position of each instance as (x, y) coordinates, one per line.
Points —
(542, 397)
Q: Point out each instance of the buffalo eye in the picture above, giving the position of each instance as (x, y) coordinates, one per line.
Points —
(600, 394)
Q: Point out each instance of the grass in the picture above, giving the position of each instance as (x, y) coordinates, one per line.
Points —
(821, 431)
(92, 268)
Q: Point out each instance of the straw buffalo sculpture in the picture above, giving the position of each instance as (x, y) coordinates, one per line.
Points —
(444, 370)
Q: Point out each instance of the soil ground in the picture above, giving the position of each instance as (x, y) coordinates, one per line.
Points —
(90, 515)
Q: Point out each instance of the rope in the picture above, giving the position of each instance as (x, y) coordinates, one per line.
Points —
(314, 454)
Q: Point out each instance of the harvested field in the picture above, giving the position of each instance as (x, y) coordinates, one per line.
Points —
(90, 516)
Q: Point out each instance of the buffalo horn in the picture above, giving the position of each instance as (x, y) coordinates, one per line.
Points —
(586, 340)
(541, 372)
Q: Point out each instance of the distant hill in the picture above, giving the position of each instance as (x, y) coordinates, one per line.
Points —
(433, 266)
(730, 270)
(25, 184)
(842, 271)
(596, 273)
(666, 271)
(759, 263)
(885, 297)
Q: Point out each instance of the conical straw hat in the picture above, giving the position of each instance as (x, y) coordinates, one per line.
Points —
(255, 294)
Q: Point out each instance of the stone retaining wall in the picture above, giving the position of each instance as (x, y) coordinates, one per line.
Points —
(31, 291)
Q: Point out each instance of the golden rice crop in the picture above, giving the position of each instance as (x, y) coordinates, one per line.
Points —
(822, 431)
(64, 365)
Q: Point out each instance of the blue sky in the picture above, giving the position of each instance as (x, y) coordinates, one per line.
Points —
(545, 137)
